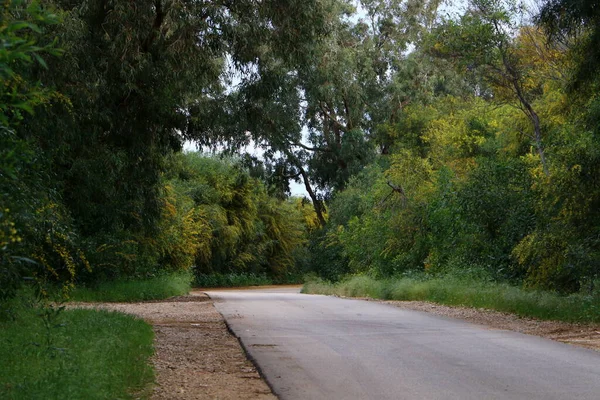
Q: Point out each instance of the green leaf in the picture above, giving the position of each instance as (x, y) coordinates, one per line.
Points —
(40, 60)
(25, 107)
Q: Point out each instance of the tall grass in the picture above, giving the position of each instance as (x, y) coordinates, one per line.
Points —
(74, 354)
(160, 287)
(469, 293)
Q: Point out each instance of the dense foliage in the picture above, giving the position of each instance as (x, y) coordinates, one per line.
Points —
(493, 176)
(97, 97)
(228, 221)
(444, 144)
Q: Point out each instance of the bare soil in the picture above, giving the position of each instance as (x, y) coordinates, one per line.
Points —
(584, 335)
(196, 357)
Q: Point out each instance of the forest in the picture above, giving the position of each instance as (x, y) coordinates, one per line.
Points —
(430, 138)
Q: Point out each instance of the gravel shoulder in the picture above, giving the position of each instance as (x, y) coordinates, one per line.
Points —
(196, 357)
(584, 335)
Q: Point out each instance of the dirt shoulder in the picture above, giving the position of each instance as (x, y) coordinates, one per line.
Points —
(584, 335)
(195, 355)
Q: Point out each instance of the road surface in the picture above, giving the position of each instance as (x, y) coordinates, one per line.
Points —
(319, 347)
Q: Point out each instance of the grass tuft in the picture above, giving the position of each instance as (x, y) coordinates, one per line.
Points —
(157, 288)
(468, 293)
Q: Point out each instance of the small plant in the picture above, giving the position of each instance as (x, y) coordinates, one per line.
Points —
(50, 313)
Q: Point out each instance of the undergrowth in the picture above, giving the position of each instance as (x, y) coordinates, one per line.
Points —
(73, 354)
(452, 291)
(232, 280)
(156, 288)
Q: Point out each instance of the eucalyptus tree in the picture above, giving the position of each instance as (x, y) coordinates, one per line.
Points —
(316, 117)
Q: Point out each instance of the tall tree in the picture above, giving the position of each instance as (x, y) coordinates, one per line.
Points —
(316, 118)
(489, 40)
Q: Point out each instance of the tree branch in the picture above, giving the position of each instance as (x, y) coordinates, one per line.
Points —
(318, 206)
(323, 149)
(332, 117)
(158, 21)
(295, 176)
(397, 189)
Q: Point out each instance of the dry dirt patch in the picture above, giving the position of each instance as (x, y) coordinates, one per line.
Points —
(195, 355)
(584, 335)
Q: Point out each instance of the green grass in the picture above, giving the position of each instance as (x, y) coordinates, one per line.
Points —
(231, 280)
(469, 293)
(85, 354)
(160, 287)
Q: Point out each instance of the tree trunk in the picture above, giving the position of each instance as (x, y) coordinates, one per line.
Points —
(318, 206)
(528, 109)
(316, 202)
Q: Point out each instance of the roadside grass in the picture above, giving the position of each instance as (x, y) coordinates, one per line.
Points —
(73, 354)
(231, 280)
(157, 288)
(468, 293)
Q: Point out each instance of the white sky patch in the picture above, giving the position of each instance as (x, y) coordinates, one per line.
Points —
(452, 9)
(189, 146)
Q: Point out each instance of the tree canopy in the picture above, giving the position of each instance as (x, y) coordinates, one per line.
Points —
(425, 141)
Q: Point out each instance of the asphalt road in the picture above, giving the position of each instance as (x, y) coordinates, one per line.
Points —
(318, 347)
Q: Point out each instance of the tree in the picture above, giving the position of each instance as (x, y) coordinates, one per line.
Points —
(316, 119)
(566, 21)
(37, 239)
(489, 40)
(237, 226)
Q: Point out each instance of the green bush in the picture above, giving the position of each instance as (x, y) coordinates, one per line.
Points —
(130, 290)
(240, 228)
(231, 280)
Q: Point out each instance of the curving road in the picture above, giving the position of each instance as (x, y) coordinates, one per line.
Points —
(320, 347)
